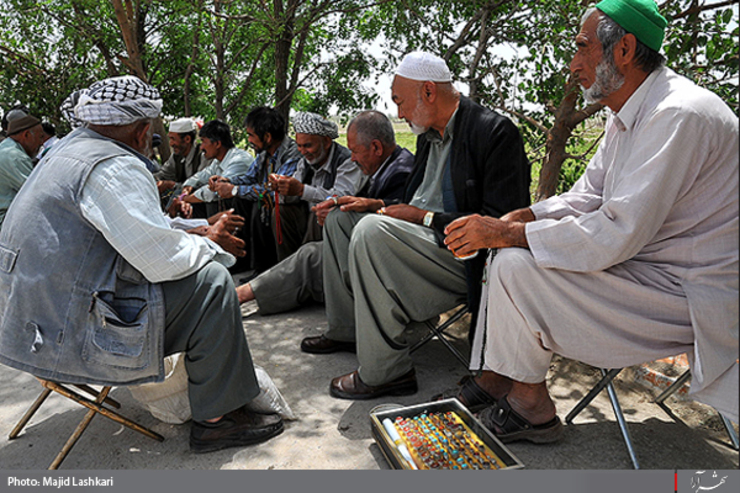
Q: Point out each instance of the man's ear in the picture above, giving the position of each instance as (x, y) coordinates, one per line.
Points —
(267, 139)
(429, 92)
(142, 136)
(624, 50)
(376, 147)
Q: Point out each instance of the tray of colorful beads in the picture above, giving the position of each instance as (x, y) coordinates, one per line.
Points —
(438, 435)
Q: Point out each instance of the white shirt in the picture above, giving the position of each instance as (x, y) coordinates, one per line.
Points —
(661, 190)
(120, 199)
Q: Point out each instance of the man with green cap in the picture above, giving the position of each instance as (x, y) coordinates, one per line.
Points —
(638, 261)
(25, 136)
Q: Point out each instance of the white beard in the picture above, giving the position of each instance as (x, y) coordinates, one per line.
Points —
(608, 80)
(417, 130)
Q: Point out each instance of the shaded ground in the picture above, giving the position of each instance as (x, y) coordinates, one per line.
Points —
(335, 434)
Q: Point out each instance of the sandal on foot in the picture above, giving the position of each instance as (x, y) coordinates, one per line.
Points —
(469, 394)
(509, 426)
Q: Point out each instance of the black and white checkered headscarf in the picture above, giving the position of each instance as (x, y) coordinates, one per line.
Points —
(117, 101)
(311, 123)
(68, 108)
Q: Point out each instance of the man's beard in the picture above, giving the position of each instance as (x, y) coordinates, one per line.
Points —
(608, 81)
(320, 158)
(416, 129)
(416, 116)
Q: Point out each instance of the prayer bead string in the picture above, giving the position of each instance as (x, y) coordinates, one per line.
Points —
(443, 441)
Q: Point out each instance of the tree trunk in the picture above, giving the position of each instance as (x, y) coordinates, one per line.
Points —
(191, 66)
(282, 60)
(566, 119)
(131, 19)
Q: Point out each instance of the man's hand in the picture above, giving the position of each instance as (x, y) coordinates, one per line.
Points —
(219, 234)
(524, 215)
(187, 190)
(233, 222)
(469, 234)
(346, 203)
(180, 208)
(212, 181)
(322, 209)
(164, 185)
(359, 204)
(406, 212)
(286, 185)
(224, 189)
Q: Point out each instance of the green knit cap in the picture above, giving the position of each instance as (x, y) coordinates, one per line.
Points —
(639, 17)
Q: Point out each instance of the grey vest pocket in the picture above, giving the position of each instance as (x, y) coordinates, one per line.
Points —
(118, 332)
(7, 259)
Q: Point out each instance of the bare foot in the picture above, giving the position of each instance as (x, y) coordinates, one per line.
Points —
(532, 402)
(245, 293)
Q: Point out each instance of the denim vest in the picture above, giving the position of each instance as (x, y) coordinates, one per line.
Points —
(71, 308)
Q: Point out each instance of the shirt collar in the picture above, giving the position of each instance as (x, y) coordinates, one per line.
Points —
(625, 119)
(191, 155)
(227, 156)
(434, 136)
(382, 166)
(326, 164)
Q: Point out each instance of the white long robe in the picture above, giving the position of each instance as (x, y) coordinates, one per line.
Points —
(658, 205)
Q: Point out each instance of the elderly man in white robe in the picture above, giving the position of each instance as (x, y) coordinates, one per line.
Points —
(639, 261)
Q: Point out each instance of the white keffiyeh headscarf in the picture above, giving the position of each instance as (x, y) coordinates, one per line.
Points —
(116, 101)
(311, 123)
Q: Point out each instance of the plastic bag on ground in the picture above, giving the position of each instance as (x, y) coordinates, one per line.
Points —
(168, 401)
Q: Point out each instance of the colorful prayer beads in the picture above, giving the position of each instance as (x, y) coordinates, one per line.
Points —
(443, 441)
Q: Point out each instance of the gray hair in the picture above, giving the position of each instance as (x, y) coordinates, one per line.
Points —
(371, 125)
(609, 33)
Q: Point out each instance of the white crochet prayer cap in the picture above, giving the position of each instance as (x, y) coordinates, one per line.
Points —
(183, 126)
(422, 66)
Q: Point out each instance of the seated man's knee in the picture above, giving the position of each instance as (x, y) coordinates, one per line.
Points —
(369, 230)
(512, 264)
(215, 275)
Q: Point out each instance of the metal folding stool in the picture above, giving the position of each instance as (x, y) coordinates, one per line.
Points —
(606, 381)
(438, 331)
(660, 400)
(94, 406)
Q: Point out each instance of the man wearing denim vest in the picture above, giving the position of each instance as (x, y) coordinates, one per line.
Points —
(98, 289)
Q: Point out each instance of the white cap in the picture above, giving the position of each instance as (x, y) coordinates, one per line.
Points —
(183, 126)
(422, 66)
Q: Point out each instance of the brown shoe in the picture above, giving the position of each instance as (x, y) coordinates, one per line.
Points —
(351, 387)
(322, 345)
(237, 428)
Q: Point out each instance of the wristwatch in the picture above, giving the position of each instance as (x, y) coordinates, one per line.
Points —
(235, 191)
(427, 221)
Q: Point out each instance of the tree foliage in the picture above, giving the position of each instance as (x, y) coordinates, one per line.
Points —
(219, 58)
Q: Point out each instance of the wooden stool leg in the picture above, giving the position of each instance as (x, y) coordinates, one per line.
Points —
(29, 414)
(78, 431)
(94, 393)
(95, 406)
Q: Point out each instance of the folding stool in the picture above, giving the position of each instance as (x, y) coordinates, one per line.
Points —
(606, 381)
(438, 331)
(95, 407)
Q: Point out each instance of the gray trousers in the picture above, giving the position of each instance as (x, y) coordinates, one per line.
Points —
(291, 283)
(203, 320)
(381, 274)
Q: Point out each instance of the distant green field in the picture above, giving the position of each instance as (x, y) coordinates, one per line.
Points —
(404, 137)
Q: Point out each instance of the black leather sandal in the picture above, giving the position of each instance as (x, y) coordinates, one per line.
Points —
(510, 426)
(469, 393)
